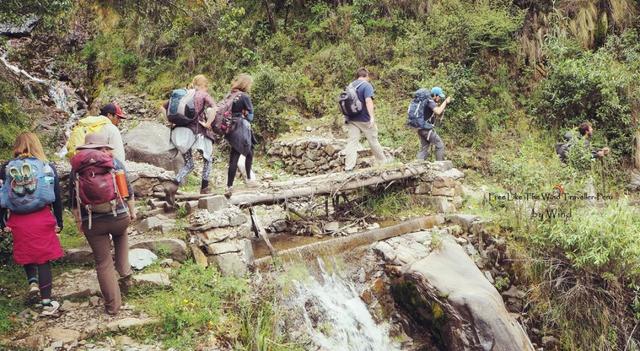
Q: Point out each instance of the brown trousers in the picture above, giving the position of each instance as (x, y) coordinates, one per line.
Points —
(98, 238)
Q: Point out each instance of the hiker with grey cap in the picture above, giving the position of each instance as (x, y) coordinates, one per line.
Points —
(103, 206)
(422, 115)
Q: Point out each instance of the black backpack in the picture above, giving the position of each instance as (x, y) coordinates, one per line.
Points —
(348, 100)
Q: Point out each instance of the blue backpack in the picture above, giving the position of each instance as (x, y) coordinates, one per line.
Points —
(181, 110)
(28, 185)
(415, 113)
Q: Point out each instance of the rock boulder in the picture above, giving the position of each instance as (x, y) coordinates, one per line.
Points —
(464, 307)
(149, 142)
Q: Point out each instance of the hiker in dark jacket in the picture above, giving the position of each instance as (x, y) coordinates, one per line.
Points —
(198, 135)
(428, 136)
(585, 129)
(241, 137)
(35, 243)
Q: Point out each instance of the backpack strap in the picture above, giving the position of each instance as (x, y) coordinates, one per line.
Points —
(358, 86)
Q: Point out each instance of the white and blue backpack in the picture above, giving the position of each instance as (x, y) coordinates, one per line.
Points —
(28, 186)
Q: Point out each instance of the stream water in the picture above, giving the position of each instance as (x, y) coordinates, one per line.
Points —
(63, 96)
(336, 318)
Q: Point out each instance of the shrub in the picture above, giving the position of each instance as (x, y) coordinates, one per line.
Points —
(598, 240)
(12, 118)
(594, 87)
(580, 267)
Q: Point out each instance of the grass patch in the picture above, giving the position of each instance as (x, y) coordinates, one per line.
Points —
(12, 280)
(204, 309)
(394, 205)
(70, 236)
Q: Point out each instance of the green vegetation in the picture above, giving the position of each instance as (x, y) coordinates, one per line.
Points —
(12, 118)
(70, 236)
(204, 308)
(12, 280)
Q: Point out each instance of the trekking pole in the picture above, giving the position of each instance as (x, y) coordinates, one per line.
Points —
(603, 163)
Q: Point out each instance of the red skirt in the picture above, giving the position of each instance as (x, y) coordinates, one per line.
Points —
(34, 237)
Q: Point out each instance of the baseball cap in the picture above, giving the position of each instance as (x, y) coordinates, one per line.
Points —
(438, 91)
(113, 108)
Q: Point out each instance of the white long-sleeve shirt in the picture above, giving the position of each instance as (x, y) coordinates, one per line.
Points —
(115, 140)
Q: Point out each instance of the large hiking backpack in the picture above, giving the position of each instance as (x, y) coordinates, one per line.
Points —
(28, 185)
(348, 100)
(223, 122)
(415, 112)
(85, 126)
(95, 186)
(181, 110)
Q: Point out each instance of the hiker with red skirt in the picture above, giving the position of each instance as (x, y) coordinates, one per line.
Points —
(99, 192)
(31, 210)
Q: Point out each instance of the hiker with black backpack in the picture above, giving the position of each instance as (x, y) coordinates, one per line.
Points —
(31, 210)
(233, 120)
(356, 104)
(103, 206)
(585, 131)
(422, 115)
(191, 111)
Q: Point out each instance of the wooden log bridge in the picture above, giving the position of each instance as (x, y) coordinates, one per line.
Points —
(336, 183)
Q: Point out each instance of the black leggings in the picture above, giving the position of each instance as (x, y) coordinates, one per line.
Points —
(233, 165)
(40, 273)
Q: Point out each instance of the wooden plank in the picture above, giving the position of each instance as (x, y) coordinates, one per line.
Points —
(259, 230)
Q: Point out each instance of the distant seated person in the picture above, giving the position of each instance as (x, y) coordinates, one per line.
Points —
(586, 131)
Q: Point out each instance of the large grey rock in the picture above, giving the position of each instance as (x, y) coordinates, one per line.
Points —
(231, 264)
(475, 314)
(62, 335)
(235, 263)
(169, 247)
(23, 27)
(438, 203)
(213, 203)
(82, 255)
(465, 221)
(149, 142)
(141, 258)
(157, 279)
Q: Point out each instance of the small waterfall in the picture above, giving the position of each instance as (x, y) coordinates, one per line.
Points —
(63, 96)
(337, 319)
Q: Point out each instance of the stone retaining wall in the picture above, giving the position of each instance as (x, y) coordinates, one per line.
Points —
(317, 155)
(220, 236)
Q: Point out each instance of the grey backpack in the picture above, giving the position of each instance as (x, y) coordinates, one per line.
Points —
(350, 105)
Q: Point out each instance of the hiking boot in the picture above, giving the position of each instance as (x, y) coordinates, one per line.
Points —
(205, 190)
(125, 283)
(170, 190)
(252, 183)
(228, 192)
(50, 308)
(34, 291)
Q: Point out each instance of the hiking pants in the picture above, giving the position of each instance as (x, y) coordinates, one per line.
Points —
(188, 167)
(351, 150)
(233, 165)
(427, 138)
(98, 238)
(41, 274)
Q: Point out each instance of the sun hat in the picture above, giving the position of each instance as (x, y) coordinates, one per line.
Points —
(95, 141)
